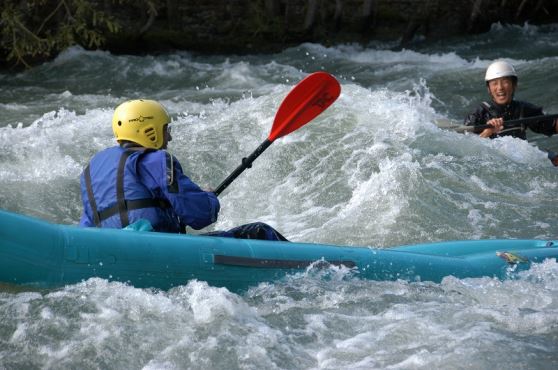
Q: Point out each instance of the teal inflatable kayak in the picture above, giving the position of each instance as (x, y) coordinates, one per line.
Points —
(41, 254)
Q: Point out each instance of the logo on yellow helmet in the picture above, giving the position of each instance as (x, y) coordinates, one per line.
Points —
(140, 119)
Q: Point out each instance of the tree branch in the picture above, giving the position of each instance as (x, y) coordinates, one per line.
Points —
(49, 16)
(152, 11)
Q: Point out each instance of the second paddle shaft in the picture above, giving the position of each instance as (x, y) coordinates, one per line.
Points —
(521, 121)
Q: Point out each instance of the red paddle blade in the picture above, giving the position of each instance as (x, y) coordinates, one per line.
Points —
(306, 101)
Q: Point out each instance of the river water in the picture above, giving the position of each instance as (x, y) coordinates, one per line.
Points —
(373, 170)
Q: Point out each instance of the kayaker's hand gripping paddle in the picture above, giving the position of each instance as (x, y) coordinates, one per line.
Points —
(514, 123)
(306, 101)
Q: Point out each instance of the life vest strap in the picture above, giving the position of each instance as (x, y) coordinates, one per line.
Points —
(131, 205)
(93, 204)
(122, 205)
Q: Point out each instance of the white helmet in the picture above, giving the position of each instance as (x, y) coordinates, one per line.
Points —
(499, 69)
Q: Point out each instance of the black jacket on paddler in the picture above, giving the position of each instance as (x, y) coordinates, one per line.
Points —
(514, 110)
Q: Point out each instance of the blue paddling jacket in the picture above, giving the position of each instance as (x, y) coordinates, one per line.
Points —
(124, 184)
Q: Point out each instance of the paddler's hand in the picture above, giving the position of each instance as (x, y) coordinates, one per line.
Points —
(497, 126)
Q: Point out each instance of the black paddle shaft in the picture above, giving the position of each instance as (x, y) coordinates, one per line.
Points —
(521, 121)
(246, 163)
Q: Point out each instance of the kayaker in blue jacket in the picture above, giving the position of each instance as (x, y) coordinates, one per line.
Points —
(138, 179)
(501, 82)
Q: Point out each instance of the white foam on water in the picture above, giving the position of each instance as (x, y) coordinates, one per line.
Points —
(74, 53)
(37, 152)
(238, 75)
(374, 169)
(353, 175)
(317, 319)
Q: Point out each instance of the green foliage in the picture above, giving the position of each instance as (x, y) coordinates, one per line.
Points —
(258, 21)
(38, 29)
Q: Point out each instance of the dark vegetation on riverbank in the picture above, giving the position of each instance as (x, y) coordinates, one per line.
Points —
(34, 31)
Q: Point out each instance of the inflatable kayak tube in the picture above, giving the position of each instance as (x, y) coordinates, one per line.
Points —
(37, 253)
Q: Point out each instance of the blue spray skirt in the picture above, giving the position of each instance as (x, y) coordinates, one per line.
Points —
(37, 253)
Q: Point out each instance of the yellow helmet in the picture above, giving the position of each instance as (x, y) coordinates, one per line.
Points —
(141, 121)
